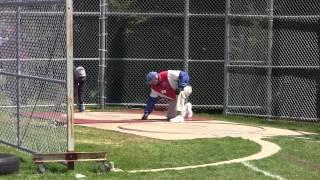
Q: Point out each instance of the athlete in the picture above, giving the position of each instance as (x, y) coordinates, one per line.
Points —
(174, 86)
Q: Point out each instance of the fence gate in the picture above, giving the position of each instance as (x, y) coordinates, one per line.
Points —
(33, 106)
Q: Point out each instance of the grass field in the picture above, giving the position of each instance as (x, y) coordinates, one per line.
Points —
(298, 159)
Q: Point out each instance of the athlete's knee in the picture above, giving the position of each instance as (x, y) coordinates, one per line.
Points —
(187, 91)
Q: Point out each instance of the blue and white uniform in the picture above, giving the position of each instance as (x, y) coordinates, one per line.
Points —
(169, 82)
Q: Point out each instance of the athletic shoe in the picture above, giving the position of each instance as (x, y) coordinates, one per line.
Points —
(177, 119)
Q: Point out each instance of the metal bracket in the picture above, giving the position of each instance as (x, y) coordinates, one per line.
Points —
(69, 158)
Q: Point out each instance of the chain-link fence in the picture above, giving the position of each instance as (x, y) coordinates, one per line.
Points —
(157, 35)
(245, 57)
(273, 58)
(141, 36)
(33, 75)
(86, 44)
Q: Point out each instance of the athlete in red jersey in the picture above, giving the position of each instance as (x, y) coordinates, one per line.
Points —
(173, 85)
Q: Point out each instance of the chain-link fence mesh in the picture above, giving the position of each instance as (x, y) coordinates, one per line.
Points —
(274, 59)
(33, 74)
(246, 57)
(269, 44)
(151, 35)
(86, 44)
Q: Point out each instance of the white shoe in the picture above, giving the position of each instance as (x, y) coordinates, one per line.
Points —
(189, 113)
(177, 119)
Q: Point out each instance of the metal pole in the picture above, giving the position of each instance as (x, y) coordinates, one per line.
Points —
(102, 51)
(269, 64)
(226, 58)
(186, 34)
(18, 83)
(69, 41)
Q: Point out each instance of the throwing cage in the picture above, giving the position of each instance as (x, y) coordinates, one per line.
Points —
(34, 75)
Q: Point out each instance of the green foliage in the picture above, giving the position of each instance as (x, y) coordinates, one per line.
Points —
(120, 5)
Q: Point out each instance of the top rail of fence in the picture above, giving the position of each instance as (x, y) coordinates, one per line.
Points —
(30, 2)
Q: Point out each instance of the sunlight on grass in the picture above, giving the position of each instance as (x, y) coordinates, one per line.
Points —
(298, 158)
(136, 152)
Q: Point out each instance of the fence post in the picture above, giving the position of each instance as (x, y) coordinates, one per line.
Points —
(102, 51)
(186, 34)
(18, 82)
(269, 63)
(226, 58)
(69, 41)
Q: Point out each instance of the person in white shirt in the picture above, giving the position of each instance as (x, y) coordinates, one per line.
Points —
(79, 86)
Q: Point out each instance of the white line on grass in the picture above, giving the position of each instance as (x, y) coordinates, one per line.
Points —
(308, 139)
(303, 138)
(266, 173)
(267, 149)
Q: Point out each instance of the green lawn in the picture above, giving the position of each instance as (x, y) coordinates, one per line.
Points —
(134, 152)
(298, 158)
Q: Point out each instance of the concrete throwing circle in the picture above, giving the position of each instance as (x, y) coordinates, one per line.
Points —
(194, 128)
(158, 127)
(123, 117)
